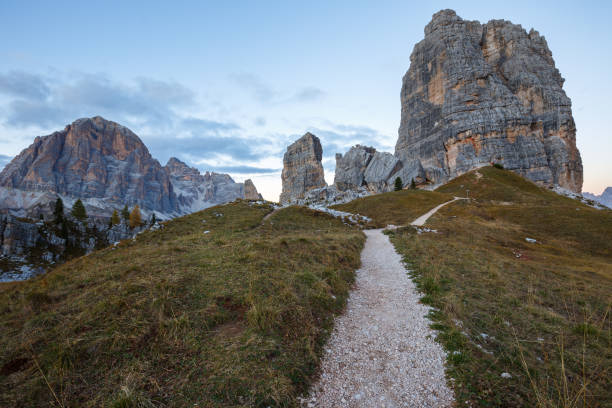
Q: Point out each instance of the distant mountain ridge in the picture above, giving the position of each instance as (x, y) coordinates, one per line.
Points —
(604, 198)
(108, 166)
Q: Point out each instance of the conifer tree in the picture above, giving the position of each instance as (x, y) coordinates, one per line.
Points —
(153, 219)
(125, 214)
(135, 217)
(412, 184)
(115, 218)
(398, 184)
(58, 211)
(78, 210)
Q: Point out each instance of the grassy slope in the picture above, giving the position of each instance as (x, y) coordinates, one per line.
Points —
(540, 312)
(177, 317)
(397, 207)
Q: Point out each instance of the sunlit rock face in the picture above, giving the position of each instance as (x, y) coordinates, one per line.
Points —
(487, 93)
(302, 168)
(107, 166)
(93, 158)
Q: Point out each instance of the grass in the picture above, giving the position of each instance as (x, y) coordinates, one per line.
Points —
(233, 318)
(396, 207)
(539, 312)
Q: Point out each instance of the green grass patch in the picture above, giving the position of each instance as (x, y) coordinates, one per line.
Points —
(396, 207)
(233, 318)
(537, 311)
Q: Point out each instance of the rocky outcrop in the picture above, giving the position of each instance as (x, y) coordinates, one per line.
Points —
(604, 198)
(196, 191)
(93, 158)
(364, 167)
(302, 168)
(107, 166)
(487, 93)
(250, 192)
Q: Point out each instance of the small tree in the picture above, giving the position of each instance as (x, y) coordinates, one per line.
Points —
(135, 217)
(412, 184)
(115, 218)
(125, 214)
(58, 211)
(78, 210)
(153, 219)
(398, 184)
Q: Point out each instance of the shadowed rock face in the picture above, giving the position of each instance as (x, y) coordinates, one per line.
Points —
(302, 168)
(93, 158)
(481, 93)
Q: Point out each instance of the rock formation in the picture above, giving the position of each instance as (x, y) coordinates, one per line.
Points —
(196, 191)
(107, 166)
(250, 192)
(375, 171)
(482, 93)
(604, 198)
(93, 158)
(302, 168)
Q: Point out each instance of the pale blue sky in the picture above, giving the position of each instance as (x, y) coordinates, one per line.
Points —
(227, 88)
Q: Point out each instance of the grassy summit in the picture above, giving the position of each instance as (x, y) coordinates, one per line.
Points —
(538, 313)
(179, 317)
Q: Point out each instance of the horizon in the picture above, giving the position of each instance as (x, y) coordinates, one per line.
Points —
(274, 76)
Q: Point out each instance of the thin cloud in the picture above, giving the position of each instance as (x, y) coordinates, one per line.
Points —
(265, 93)
(24, 85)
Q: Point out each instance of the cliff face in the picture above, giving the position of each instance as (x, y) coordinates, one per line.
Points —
(107, 166)
(302, 168)
(482, 93)
(93, 158)
(375, 171)
(196, 191)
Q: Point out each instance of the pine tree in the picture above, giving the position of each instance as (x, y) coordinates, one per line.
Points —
(125, 214)
(412, 184)
(135, 218)
(78, 210)
(58, 211)
(115, 218)
(398, 184)
(153, 219)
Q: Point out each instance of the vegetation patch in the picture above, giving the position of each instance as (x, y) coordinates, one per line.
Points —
(396, 207)
(178, 317)
(525, 323)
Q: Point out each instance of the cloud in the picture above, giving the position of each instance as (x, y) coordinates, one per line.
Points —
(266, 94)
(308, 94)
(243, 169)
(53, 103)
(23, 85)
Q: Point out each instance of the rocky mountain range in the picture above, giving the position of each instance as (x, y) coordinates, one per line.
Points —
(107, 166)
(604, 198)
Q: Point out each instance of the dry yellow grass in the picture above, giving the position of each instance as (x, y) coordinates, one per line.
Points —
(179, 317)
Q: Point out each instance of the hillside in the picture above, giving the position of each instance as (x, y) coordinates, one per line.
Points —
(235, 316)
(538, 311)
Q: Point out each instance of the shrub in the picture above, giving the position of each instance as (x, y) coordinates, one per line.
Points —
(498, 166)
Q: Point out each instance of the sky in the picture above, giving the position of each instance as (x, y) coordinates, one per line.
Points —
(227, 86)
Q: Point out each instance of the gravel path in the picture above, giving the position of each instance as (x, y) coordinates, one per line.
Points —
(382, 352)
(423, 218)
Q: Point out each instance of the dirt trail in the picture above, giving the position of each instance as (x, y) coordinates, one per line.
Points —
(382, 352)
(419, 222)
